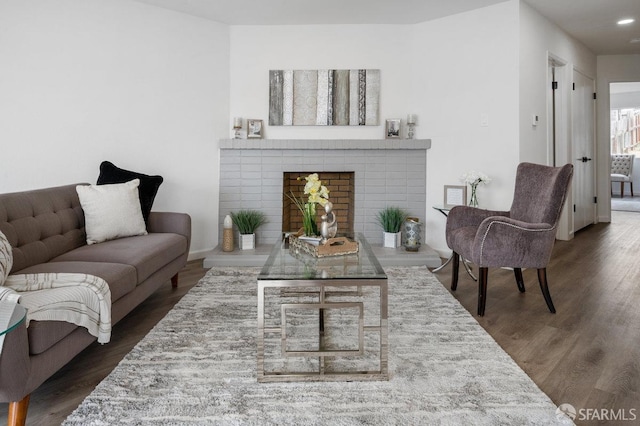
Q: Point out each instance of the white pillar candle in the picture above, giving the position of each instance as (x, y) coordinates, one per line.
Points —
(237, 122)
(411, 119)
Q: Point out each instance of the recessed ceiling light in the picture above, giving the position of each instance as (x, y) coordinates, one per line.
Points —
(634, 40)
(626, 21)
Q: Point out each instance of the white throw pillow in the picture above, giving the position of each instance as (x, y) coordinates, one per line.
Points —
(6, 258)
(111, 211)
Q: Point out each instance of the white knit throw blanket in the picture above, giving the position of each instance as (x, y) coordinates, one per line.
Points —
(81, 299)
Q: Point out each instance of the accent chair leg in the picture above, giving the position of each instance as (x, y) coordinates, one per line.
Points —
(631, 186)
(519, 280)
(483, 276)
(542, 278)
(174, 281)
(18, 412)
(621, 189)
(455, 266)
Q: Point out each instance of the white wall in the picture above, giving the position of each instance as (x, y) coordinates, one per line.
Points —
(83, 81)
(540, 38)
(625, 100)
(257, 49)
(466, 66)
(611, 69)
(448, 71)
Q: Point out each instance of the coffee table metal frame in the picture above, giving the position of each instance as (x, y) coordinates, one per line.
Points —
(289, 283)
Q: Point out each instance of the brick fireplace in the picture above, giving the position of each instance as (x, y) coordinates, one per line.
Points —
(341, 186)
(382, 173)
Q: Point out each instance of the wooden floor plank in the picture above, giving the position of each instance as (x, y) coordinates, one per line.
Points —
(587, 354)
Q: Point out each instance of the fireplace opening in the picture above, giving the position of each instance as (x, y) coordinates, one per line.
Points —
(341, 186)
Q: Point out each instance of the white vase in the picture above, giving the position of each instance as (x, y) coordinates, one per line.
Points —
(392, 239)
(247, 241)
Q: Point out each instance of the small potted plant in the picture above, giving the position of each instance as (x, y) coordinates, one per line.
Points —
(247, 221)
(391, 220)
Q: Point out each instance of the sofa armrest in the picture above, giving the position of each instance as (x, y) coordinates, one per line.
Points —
(15, 365)
(503, 241)
(170, 222)
(463, 216)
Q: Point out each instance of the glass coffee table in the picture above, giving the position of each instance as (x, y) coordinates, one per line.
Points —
(11, 316)
(322, 319)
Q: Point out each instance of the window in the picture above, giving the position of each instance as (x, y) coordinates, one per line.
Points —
(625, 131)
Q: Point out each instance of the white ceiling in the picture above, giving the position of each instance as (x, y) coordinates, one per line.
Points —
(624, 87)
(309, 12)
(593, 22)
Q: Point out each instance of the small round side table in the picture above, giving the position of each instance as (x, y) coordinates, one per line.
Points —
(445, 212)
(11, 316)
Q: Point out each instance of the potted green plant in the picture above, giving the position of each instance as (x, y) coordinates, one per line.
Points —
(391, 219)
(247, 221)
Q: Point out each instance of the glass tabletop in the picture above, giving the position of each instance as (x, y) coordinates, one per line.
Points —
(286, 264)
(11, 315)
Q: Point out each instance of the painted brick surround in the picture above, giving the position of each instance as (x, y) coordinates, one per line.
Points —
(386, 173)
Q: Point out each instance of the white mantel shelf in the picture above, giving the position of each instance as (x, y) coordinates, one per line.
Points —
(341, 144)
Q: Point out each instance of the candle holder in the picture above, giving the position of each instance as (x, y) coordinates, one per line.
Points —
(411, 122)
(237, 125)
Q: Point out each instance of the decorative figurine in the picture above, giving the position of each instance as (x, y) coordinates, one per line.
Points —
(328, 227)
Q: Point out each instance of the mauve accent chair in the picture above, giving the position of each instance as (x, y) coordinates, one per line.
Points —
(522, 237)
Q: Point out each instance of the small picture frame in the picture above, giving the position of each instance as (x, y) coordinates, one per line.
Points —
(455, 195)
(254, 129)
(392, 128)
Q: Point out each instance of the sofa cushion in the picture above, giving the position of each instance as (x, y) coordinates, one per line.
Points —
(147, 191)
(111, 211)
(121, 279)
(147, 253)
(41, 224)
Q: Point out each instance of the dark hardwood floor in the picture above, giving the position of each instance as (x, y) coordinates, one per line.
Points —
(586, 355)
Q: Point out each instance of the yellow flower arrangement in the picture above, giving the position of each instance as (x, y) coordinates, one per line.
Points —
(317, 194)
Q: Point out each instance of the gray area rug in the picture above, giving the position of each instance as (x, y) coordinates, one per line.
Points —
(626, 204)
(198, 367)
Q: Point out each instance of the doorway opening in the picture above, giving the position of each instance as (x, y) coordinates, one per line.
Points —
(624, 105)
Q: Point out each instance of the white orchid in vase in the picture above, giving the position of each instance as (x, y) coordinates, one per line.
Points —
(318, 194)
(473, 179)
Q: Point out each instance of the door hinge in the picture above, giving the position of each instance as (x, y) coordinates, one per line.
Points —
(554, 85)
(594, 95)
(574, 86)
(574, 208)
(595, 200)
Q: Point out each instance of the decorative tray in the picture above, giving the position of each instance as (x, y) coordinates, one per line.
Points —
(333, 247)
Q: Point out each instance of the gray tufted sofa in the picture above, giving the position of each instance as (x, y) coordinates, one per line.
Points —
(46, 230)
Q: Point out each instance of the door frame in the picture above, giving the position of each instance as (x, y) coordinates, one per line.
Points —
(593, 183)
(559, 149)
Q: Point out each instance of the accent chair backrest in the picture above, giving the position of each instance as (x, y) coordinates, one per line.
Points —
(622, 164)
(540, 192)
(42, 224)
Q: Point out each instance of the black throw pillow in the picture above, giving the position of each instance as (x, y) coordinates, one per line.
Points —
(147, 190)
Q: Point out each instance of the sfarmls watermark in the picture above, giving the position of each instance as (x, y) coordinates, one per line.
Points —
(585, 414)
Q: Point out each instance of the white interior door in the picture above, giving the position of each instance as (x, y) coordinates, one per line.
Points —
(582, 136)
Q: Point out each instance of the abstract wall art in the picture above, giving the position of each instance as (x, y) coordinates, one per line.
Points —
(324, 97)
